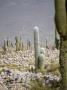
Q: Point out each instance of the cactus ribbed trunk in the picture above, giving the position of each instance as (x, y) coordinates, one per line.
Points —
(61, 24)
(63, 63)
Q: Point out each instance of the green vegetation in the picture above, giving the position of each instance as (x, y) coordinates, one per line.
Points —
(53, 67)
(13, 66)
(17, 43)
(38, 85)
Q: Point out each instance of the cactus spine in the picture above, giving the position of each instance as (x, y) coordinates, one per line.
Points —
(38, 57)
(61, 25)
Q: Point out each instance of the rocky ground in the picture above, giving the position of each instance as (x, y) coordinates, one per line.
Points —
(16, 69)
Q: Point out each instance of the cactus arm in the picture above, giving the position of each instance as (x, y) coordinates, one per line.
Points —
(40, 60)
(61, 17)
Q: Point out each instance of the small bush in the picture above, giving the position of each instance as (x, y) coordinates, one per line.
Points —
(38, 85)
(53, 67)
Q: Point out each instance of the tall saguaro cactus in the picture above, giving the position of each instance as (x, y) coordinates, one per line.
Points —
(39, 52)
(36, 44)
(61, 24)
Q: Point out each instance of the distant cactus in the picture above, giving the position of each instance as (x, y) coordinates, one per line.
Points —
(11, 44)
(5, 46)
(22, 46)
(28, 44)
(8, 43)
(61, 25)
(46, 44)
(39, 57)
(17, 43)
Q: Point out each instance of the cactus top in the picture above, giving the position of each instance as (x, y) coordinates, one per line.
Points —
(42, 50)
(36, 28)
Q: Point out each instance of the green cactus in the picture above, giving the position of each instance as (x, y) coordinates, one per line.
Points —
(40, 62)
(61, 25)
(4, 46)
(17, 43)
(60, 17)
(42, 51)
(28, 44)
(36, 44)
(11, 44)
(57, 40)
(22, 46)
(39, 56)
(8, 43)
(46, 44)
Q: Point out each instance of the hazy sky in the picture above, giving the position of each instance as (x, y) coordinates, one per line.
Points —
(18, 17)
